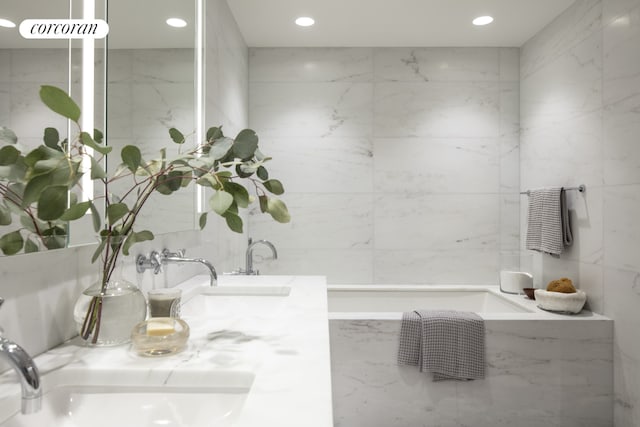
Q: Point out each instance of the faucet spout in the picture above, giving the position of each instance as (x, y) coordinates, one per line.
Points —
(169, 257)
(27, 372)
(249, 254)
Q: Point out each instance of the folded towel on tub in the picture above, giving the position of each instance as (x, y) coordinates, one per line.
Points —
(449, 344)
(548, 226)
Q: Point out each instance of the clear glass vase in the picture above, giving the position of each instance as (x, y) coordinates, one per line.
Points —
(106, 318)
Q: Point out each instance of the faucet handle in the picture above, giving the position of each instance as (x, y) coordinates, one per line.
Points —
(178, 254)
(1, 301)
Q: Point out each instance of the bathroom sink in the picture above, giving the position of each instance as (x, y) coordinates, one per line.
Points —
(135, 398)
(256, 291)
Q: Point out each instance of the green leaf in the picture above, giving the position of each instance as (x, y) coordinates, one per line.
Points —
(95, 217)
(220, 201)
(96, 170)
(7, 135)
(234, 222)
(54, 237)
(134, 238)
(86, 139)
(214, 133)
(30, 246)
(99, 250)
(76, 211)
(220, 148)
(58, 101)
(131, 157)
(116, 211)
(11, 243)
(278, 210)
(176, 136)
(97, 136)
(243, 173)
(239, 193)
(264, 203)
(8, 155)
(51, 138)
(262, 173)
(274, 186)
(245, 144)
(203, 220)
(5, 215)
(208, 180)
(52, 202)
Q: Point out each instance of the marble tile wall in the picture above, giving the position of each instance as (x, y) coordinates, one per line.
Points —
(540, 373)
(400, 165)
(580, 99)
(40, 289)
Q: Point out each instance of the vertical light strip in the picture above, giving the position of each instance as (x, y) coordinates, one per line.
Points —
(200, 88)
(86, 120)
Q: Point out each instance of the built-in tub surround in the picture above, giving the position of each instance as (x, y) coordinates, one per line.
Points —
(543, 369)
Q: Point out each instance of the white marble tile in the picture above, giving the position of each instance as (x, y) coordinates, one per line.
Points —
(320, 221)
(435, 266)
(163, 65)
(622, 296)
(592, 283)
(586, 216)
(561, 152)
(437, 109)
(565, 88)
(621, 227)
(577, 23)
(436, 165)
(28, 66)
(29, 116)
(321, 165)
(5, 104)
(614, 11)
(119, 111)
(432, 64)
(439, 222)
(5, 65)
(621, 69)
(510, 222)
(340, 266)
(310, 64)
(509, 64)
(159, 106)
(510, 164)
(311, 109)
(510, 109)
(621, 123)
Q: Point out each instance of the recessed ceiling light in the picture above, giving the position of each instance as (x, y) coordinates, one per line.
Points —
(483, 20)
(6, 23)
(305, 21)
(176, 22)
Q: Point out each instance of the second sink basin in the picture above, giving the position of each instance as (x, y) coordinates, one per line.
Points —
(258, 291)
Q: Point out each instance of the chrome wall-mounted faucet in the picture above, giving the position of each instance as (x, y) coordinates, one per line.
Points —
(27, 372)
(156, 260)
(249, 255)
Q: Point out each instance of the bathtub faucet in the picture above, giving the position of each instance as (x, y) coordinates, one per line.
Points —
(27, 372)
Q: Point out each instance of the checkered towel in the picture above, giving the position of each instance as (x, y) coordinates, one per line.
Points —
(449, 344)
(548, 226)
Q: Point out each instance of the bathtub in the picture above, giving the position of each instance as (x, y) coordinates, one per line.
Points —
(543, 369)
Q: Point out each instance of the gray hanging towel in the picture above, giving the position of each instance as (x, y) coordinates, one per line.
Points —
(548, 225)
(449, 344)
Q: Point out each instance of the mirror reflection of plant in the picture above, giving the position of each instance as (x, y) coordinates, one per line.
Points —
(37, 186)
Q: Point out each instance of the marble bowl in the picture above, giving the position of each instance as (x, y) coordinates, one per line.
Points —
(559, 302)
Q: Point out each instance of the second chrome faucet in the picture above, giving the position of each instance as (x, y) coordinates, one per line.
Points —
(156, 260)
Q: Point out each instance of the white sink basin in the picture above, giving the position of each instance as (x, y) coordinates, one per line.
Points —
(134, 398)
(255, 291)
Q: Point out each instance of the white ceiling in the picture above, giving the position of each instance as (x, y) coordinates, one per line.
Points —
(266, 23)
(140, 23)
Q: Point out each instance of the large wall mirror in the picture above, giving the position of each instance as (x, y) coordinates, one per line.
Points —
(144, 83)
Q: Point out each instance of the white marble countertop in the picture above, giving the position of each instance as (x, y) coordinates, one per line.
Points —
(284, 341)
